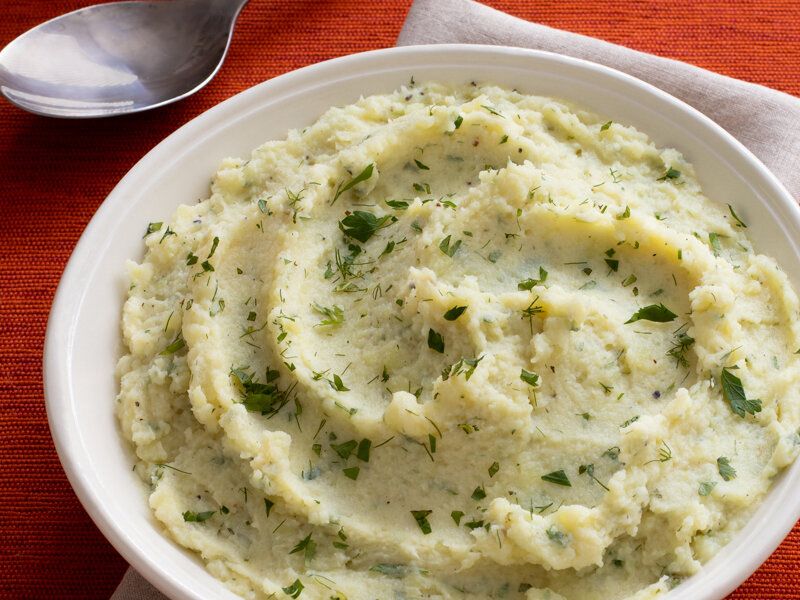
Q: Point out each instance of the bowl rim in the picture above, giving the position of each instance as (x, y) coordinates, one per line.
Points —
(60, 334)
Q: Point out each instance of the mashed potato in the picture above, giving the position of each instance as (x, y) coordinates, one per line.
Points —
(457, 343)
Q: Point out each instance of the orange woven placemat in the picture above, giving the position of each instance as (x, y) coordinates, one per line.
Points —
(54, 174)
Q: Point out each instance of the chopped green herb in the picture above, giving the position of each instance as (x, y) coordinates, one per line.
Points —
(733, 392)
(453, 313)
(713, 240)
(172, 348)
(435, 341)
(678, 351)
(295, 589)
(657, 313)
(494, 468)
(554, 535)
(338, 385)
(739, 222)
(629, 422)
(558, 477)
(153, 227)
(613, 264)
(457, 515)
(363, 449)
(345, 449)
(706, 487)
(197, 517)
(362, 225)
(589, 470)
(458, 121)
(268, 504)
(605, 125)
(307, 546)
(214, 245)
(421, 517)
(504, 139)
(492, 110)
(397, 204)
(191, 259)
(333, 315)
(726, 471)
(529, 283)
(670, 174)
(479, 493)
(449, 250)
(344, 186)
(532, 379)
(351, 472)
(421, 166)
(625, 214)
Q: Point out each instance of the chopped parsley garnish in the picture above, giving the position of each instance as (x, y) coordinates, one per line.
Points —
(307, 546)
(492, 110)
(214, 245)
(678, 351)
(458, 121)
(494, 468)
(466, 366)
(613, 264)
(625, 214)
(397, 204)
(198, 517)
(457, 515)
(153, 227)
(448, 249)
(258, 397)
(351, 472)
(479, 493)
(589, 470)
(504, 139)
(713, 241)
(706, 487)
(191, 259)
(295, 589)
(726, 471)
(733, 392)
(554, 535)
(207, 266)
(435, 341)
(172, 348)
(333, 315)
(453, 313)
(528, 284)
(739, 222)
(363, 449)
(558, 477)
(657, 313)
(268, 504)
(362, 225)
(605, 125)
(344, 186)
(630, 421)
(532, 379)
(421, 517)
(671, 173)
(345, 449)
(421, 166)
(337, 384)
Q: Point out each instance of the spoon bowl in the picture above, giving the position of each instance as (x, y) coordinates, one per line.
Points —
(119, 58)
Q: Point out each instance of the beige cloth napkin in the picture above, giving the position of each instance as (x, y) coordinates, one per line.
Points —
(764, 120)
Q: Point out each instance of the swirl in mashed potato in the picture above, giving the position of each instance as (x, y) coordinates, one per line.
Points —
(457, 342)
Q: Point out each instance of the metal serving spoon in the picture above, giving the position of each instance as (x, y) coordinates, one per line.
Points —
(118, 58)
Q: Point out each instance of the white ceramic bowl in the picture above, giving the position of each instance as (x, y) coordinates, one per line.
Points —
(83, 334)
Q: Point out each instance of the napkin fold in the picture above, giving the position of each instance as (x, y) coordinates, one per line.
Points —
(764, 120)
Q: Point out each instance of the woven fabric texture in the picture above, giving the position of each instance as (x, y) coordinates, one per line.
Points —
(54, 174)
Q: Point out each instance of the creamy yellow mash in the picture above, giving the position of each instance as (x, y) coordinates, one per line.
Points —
(457, 342)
